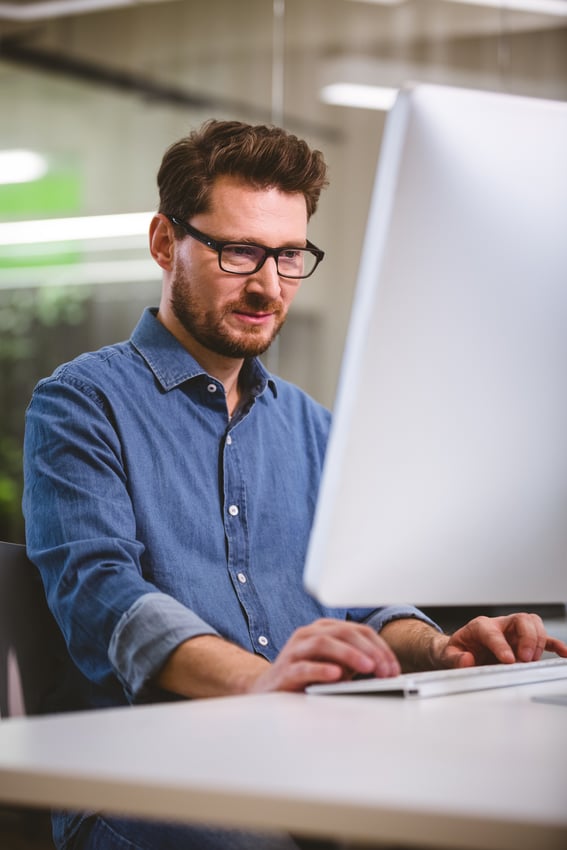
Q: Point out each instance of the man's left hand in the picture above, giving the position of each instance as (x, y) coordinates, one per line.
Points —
(489, 640)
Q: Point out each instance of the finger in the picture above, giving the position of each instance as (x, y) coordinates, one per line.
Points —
(352, 654)
(296, 677)
(455, 657)
(365, 639)
(526, 634)
(555, 645)
(497, 644)
(284, 676)
(355, 646)
(483, 637)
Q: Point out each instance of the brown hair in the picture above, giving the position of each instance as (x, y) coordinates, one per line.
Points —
(261, 155)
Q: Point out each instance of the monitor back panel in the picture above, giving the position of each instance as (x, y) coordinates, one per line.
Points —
(446, 476)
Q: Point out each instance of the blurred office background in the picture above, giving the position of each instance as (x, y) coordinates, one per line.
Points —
(96, 90)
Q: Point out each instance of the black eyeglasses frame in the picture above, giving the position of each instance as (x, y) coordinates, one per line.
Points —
(218, 246)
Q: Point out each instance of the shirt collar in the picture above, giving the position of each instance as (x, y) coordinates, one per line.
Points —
(172, 364)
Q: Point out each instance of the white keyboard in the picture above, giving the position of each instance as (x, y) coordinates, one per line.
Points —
(432, 683)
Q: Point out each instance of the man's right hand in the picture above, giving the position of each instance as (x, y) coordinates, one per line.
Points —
(327, 651)
(324, 651)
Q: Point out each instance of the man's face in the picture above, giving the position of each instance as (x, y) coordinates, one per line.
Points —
(237, 315)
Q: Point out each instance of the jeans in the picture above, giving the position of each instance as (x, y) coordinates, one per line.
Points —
(114, 833)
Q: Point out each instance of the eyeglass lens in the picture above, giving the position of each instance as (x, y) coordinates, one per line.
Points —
(292, 262)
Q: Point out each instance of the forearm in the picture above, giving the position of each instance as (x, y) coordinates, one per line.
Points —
(417, 645)
(208, 666)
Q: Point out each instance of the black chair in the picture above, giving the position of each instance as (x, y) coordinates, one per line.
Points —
(30, 642)
(30, 646)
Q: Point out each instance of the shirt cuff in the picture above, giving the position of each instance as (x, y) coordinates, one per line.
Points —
(146, 635)
(379, 618)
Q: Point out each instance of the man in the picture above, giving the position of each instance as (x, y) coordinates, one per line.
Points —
(170, 481)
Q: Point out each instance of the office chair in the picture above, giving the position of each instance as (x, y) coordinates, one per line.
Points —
(30, 645)
(30, 642)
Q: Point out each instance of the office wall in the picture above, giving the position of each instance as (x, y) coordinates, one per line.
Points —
(103, 94)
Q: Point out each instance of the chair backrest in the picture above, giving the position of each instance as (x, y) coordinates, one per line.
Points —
(30, 641)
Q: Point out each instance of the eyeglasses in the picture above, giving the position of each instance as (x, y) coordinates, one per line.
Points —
(249, 257)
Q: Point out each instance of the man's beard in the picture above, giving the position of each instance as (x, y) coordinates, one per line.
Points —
(209, 331)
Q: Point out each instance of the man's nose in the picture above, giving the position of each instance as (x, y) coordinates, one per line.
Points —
(266, 279)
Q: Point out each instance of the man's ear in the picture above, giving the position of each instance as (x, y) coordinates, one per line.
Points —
(162, 241)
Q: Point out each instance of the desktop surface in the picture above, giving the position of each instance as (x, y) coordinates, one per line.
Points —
(485, 770)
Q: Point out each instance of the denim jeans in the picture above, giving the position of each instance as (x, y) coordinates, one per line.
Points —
(113, 833)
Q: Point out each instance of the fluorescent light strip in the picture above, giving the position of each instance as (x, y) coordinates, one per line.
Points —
(81, 274)
(538, 7)
(43, 11)
(21, 166)
(72, 229)
(358, 95)
(383, 2)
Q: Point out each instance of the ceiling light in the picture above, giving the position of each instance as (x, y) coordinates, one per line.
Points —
(47, 9)
(81, 274)
(541, 7)
(383, 2)
(70, 229)
(359, 95)
(20, 166)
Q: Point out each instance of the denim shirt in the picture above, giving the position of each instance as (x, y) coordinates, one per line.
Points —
(155, 517)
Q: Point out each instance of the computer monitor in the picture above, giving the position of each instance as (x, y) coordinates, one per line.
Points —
(445, 481)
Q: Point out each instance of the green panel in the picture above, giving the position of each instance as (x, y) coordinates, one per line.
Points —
(57, 193)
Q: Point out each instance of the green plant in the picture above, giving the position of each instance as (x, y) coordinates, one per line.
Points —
(39, 328)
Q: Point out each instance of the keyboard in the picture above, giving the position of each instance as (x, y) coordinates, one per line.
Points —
(459, 680)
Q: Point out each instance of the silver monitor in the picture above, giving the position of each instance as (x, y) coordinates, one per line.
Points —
(445, 481)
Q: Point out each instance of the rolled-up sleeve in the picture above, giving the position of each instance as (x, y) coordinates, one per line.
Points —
(381, 616)
(82, 535)
(146, 635)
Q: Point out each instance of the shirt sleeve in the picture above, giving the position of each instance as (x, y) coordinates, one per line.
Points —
(381, 616)
(81, 532)
(145, 636)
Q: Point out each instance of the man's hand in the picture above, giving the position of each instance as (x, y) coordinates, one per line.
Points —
(331, 650)
(327, 651)
(324, 651)
(484, 640)
(489, 640)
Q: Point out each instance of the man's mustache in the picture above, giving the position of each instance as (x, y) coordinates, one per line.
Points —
(255, 303)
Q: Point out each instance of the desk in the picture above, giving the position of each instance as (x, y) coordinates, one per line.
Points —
(485, 770)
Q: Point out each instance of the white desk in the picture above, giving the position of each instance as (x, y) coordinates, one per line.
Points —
(484, 770)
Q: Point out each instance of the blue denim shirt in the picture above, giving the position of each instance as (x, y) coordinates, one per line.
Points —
(154, 517)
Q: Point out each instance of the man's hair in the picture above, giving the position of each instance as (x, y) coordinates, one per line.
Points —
(263, 156)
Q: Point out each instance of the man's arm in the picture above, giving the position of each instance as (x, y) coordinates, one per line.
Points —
(331, 650)
(324, 651)
(81, 532)
(208, 666)
(484, 640)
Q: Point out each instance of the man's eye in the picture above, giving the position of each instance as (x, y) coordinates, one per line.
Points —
(245, 251)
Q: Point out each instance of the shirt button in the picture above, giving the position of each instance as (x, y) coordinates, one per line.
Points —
(229, 440)
(241, 578)
(212, 388)
(263, 640)
(233, 510)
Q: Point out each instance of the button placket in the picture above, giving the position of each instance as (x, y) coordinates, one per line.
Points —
(238, 547)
